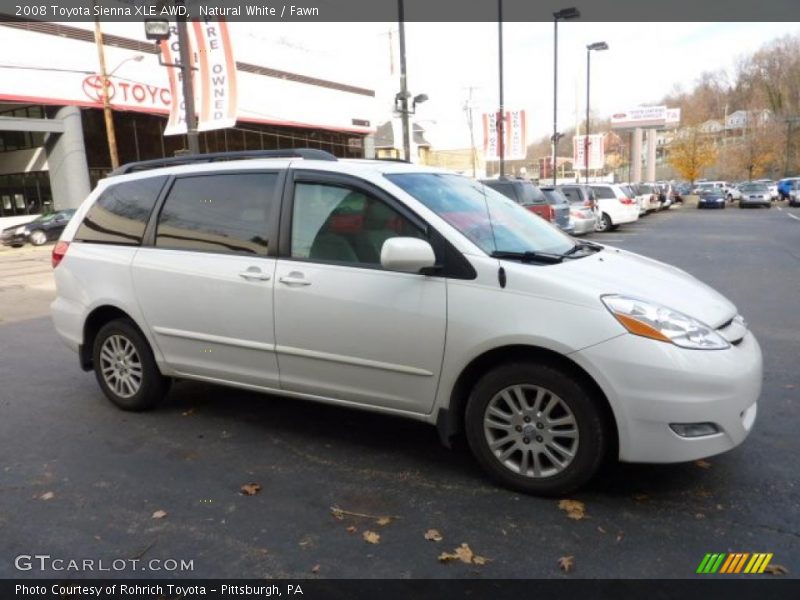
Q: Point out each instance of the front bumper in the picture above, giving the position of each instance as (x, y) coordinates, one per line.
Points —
(652, 384)
(13, 239)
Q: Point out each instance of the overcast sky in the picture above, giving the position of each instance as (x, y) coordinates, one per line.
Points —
(643, 63)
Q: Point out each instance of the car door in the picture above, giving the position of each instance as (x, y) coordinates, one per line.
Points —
(204, 277)
(346, 329)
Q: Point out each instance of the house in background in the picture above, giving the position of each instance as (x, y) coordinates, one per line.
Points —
(389, 142)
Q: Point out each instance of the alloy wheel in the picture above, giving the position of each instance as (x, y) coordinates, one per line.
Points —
(531, 431)
(121, 366)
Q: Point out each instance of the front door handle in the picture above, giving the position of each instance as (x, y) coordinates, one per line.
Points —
(255, 274)
(294, 278)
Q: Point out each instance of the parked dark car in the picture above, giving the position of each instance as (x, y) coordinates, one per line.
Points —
(39, 231)
(712, 199)
(558, 201)
(524, 193)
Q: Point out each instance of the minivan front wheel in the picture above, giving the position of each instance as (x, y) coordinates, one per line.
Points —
(535, 429)
(125, 367)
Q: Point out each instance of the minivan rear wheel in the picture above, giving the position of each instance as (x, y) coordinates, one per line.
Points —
(535, 428)
(125, 367)
(604, 224)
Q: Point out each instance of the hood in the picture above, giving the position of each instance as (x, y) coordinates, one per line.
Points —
(13, 227)
(615, 271)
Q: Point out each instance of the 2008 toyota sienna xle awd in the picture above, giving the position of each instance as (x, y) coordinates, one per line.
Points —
(404, 290)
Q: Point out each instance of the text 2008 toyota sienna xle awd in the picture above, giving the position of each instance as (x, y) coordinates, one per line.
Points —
(403, 290)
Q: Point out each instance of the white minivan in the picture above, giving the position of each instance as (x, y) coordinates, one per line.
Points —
(615, 206)
(404, 290)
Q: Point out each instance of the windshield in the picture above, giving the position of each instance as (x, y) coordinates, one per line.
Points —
(754, 188)
(487, 218)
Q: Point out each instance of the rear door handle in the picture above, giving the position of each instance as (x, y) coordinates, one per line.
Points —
(294, 278)
(255, 274)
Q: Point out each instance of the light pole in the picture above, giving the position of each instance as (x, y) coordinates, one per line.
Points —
(564, 14)
(596, 46)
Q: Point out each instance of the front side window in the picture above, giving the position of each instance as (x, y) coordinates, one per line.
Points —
(120, 214)
(490, 220)
(333, 223)
(225, 213)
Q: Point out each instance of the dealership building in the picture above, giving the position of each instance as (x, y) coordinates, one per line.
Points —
(53, 138)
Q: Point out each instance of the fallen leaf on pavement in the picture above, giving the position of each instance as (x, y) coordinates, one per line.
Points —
(47, 496)
(159, 514)
(250, 489)
(352, 529)
(641, 497)
(790, 386)
(703, 464)
(566, 563)
(620, 535)
(601, 530)
(188, 413)
(371, 537)
(574, 509)
(433, 535)
(465, 554)
(340, 513)
(776, 570)
(315, 569)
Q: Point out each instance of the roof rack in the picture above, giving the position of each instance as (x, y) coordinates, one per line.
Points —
(188, 159)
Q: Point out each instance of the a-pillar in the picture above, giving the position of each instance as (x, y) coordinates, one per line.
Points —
(636, 156)
(651, 155)
(66, 161)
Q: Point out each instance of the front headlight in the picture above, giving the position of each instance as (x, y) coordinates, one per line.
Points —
(657, 322)
(20, 230)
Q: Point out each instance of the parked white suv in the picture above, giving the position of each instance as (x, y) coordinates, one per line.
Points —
(616, 207)
(404, 290)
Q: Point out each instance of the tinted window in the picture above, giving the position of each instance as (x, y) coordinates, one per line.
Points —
(227, 213)
(120, 214)
(532, 195)
(555, 197)
(572, 194)
(333, 223)
(604, 192)
(507, 189)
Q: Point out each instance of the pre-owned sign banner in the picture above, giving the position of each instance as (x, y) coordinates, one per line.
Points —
(514, 138)
(596, 152)
(213, 77)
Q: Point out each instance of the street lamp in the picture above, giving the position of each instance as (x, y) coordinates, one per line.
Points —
(565, 14)
(596, 46)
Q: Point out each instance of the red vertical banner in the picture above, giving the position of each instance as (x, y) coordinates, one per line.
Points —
(218, 94)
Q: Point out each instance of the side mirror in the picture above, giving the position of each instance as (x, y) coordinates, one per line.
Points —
(407, 254)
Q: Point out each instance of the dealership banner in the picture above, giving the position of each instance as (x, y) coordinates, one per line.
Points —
(642, 116)
(515, 141)
(213, 77)
(597, 157)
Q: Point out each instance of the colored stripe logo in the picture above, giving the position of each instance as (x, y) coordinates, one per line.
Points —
(736, 562)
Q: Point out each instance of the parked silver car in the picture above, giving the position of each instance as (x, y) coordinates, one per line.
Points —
(582, 207)
(754, 194)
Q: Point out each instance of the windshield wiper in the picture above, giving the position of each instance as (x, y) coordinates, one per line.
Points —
(583, 245)
(529, 256)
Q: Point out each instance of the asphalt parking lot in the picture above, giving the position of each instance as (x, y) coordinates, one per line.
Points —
(81, 479)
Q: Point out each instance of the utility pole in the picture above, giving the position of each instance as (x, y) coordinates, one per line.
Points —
(107, 113)
(501, 130)
(468, 109)
(403, 82)
(188, 89)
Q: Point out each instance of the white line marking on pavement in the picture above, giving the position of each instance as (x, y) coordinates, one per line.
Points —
(795, 217)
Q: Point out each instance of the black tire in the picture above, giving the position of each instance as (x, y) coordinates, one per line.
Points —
(152, 387)
(606, 226)
(592, 434)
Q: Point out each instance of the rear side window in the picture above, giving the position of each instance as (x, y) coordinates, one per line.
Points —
(225, 213)
(120, 214)
(604, 192)
(507, 189)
